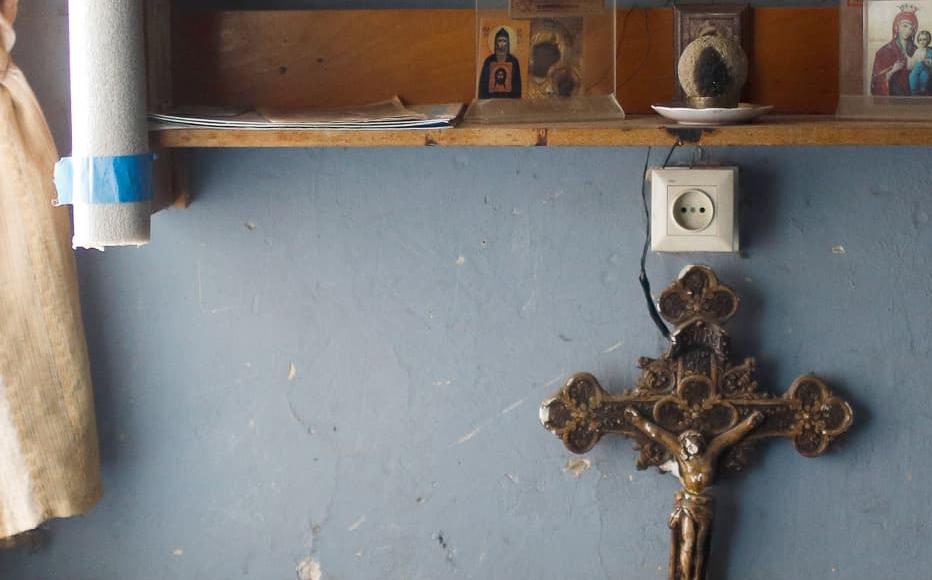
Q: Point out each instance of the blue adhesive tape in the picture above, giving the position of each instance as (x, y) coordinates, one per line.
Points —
(91, 180)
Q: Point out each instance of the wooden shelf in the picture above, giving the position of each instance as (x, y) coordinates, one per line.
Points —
(636, 131)
(323, 58)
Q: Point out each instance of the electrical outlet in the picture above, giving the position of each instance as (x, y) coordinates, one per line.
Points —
(694, 210)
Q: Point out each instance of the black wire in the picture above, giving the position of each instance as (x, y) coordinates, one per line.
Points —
(644, 57)
(666, 160)
(642, 278)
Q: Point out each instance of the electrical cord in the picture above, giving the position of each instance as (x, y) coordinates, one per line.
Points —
(666, 160)
(642, 277)
(646, 55)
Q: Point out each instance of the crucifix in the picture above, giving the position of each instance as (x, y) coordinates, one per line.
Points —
(693, 410)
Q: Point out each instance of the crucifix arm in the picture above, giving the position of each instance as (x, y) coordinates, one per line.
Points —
(735, 434)
(654, 432)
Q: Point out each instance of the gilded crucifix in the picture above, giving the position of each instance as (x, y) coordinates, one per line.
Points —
(693, 409)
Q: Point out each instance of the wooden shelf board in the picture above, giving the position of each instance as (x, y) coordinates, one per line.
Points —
(636, 131)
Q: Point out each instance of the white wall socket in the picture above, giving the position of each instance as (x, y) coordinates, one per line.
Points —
(694, 210)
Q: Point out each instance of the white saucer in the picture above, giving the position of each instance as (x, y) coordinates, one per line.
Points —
(743, 113)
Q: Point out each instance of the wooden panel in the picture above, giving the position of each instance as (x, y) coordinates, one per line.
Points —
(635, 131)
(330, 58)
(323, 58)
(645, 58)
(158, 54)
(794, 59)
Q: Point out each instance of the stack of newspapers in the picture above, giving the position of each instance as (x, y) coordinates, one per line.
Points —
(390, 114)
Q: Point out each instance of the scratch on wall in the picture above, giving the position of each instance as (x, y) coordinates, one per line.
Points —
(614, 347)
(298, 418)
(488, 421)
(512, 406)
(468, 436)
(554, 380)
(355, 525)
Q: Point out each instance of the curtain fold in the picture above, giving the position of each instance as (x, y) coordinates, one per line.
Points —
(49, 462)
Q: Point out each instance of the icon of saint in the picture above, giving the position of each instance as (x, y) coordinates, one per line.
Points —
(500, 77)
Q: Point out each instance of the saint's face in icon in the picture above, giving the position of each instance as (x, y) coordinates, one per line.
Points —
(923, 39)
(905, 30)
(502, 43)
(500, 77)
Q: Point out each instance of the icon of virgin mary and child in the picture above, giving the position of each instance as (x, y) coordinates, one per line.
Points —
(902, 66)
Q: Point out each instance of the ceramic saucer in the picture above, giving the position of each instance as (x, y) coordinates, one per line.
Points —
(683, 115)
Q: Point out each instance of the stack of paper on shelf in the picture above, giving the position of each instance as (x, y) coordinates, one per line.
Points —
(390, 114)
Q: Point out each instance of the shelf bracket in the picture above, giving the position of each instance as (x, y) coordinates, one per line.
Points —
(168, 176)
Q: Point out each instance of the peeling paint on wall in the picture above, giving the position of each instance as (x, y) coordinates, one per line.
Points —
(577, 466)
(309, 569)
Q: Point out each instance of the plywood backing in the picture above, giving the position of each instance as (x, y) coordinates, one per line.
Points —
(295, 59)
(325, 58)
(794, 59)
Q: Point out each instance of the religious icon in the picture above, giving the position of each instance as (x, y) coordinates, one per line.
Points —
(551, 8)
(500, 75)
(690, 20)
(694, 412)
(897, 48)
(556, 58)
(501, 72)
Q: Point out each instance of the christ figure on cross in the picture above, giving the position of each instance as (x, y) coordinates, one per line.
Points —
(695, 467)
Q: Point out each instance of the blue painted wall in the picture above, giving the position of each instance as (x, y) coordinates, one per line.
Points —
(428, 300)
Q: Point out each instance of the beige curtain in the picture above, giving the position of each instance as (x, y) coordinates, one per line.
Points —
(49, 464)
